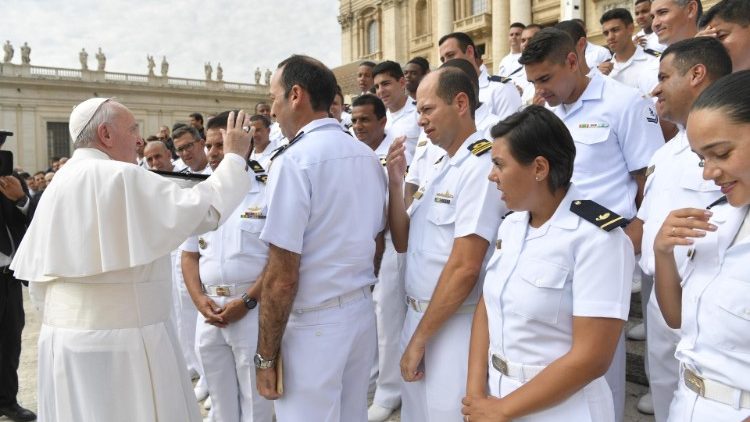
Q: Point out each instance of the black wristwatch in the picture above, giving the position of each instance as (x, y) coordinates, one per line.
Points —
(22, 201)
(250, 303)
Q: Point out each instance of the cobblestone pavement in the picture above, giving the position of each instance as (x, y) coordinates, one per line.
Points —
(27, 373)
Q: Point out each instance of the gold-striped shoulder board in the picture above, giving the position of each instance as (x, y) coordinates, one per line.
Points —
(597, 215)
(480, 147)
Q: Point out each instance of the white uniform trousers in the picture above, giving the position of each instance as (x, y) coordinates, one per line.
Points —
(390, 311)
(687, 406)
(327, 357)
(185, 317)
(615, 377)
(593, 403)
(663, 367)
(227, 356)
(437, 397)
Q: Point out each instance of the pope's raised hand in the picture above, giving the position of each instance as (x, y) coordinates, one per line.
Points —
(238, 133)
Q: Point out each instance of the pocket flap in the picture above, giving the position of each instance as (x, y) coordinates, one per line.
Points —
(543, 274)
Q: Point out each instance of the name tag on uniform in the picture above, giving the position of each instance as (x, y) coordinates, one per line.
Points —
(593, 125)
(254, 213)
(443, 198)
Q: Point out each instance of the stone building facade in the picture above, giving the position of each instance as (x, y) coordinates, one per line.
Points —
(35, 104)
(401, 29)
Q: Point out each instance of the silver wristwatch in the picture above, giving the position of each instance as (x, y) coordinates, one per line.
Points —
(262, 363)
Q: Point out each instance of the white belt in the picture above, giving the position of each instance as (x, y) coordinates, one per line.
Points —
(226, 290)
(517, 371)
(102, 306)
(337, 302)
(421, 306)
(716, 391)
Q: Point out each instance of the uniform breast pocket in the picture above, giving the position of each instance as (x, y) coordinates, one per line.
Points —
(590, 135)
(732, 327)
(591, 152)
(539, 289)
(250, 229)
(439, 237)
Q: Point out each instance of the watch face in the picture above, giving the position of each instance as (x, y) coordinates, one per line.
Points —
(257, 360)
(251, 303)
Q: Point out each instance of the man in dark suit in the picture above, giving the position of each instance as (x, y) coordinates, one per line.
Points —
(15, 207)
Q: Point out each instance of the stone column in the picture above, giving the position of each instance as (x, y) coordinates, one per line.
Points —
(520, 11)
(389, 27)
(500, 27)
(346, 20)
(444, 18)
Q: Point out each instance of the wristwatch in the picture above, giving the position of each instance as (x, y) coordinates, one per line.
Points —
(22, 201)
(250, 303)
(262, 363)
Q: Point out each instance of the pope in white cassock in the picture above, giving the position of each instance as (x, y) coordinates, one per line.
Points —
(97, 257)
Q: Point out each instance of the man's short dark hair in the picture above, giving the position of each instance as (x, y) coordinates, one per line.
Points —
(518, 25)
(339, 93)
(262, 103)
(548, 44)
(468, 69)
(367, 63)
(731, 11)
(24, 175)
(707, 51)
(453, 81)
(390, 68)
(220, 120)
(537, 132)
(196, 116)
(312, 76)
(152, 138)
(534, 26)
(617, 13)
(177, 126)
(368, 99)
(261, 118)
(182, 130)
(464, 41)
(637, 2)
(573, 29)
(421, 62)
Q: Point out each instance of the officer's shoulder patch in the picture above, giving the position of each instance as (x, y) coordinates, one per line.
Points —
(262, 178)
(597, 215)
(652, 52)
(255, 166)
(480, 147)
(650, 170)
(501, 79)
(421, 144)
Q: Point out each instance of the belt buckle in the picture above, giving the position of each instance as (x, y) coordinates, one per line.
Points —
(694, 382)
(500, 364)
(222, 291)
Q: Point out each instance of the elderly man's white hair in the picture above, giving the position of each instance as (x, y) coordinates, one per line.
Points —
(86, 118)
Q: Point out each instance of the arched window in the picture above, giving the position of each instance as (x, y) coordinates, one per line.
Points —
(478, 6)
(372, 37)
(421, 18)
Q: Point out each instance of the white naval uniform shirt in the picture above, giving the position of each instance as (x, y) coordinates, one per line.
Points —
(616, 131)
(234, 253)
(455, 200)
(652, 41)
(716, 302)
(382, 150)
(404, 123)
(264, 158)
(326, 202)
(275, 134)
(676, 181)
(596, 54)
(640, 72)
(509, 65)
(539, 279)
(502, 98)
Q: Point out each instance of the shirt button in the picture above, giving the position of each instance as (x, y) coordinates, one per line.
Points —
(318, 333)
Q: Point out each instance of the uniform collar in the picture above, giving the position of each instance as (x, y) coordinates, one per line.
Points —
(408, 106)
(593, 91)
(317, 124)
(382, 149)
(638, 56)
(563, 217)
(463, 150)
(484, 77)
(681, 140)
(481, 113)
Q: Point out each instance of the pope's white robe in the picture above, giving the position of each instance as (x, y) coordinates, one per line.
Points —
(97, 257)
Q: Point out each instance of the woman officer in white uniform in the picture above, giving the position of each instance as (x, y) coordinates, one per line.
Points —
(557, 289)
(711, 304)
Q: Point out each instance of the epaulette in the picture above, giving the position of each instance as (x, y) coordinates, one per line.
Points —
(414, 102)
(421, 144)
(507, 214)
(719, 201)
(348, 133)
(262, 178)
(255, 166)
(439, 159)
(597, 215)
(501, 79)
(480, 147)
(652, 52)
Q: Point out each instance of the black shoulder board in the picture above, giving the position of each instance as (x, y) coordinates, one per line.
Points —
(652, 52)
(255, 166)
(439, 159)
(597, 215)
(480, 147)
(414, 102)
(501, 79)
(262, 178)
(507, 214)
(719, 201)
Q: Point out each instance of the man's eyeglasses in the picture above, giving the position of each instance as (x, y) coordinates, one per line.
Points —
(186, 147)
